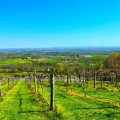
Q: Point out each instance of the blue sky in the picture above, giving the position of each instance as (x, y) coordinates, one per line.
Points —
(59, 23)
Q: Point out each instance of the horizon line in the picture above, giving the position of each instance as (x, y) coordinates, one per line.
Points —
(64, 47)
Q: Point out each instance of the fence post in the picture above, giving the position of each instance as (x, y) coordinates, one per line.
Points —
(94, 78)
(0, 90)
(52, 92)
(8, 83)
(35, 81)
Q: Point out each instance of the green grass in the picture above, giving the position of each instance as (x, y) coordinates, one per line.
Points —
(104, 93)
(76, 108)
(14, 60)
(110, 92)
(46, 60)
(4, 86)
(20, 104)
(49, 60)
(101, 56)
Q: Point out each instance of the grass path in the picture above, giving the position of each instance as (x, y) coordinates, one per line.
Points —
(97, 94)
(75, 107)
(5, 89)
(73, 93)
(19, 104)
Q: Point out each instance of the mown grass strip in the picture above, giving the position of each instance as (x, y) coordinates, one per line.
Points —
(75, 108)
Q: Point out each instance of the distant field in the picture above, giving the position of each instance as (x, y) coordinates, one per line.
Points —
(101, 56)
(46, 60)
(14, 60)
(19, 60)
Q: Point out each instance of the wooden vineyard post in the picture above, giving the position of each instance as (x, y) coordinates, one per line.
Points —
(12, 82)
(35, 81)
(0, 90)
(101, 79)
(8, 83)
(116, 84)
(79, 76)
(52, 92)
(94, 78)
(70, 83)
(42, 90)
(30, 82)
(67, 82)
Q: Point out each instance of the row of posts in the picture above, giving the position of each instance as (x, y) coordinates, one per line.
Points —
(51, 89)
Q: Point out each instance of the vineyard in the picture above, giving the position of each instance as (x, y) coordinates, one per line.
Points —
(60, 89)
(59, 59)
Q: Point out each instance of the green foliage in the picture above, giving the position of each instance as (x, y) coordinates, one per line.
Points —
(112, 61)
(14, 60)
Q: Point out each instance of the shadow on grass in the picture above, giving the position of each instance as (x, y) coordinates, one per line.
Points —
(1, 99)
(52, 116)
(112, 114)
(27, 93)
(31, 111)
(99, 108)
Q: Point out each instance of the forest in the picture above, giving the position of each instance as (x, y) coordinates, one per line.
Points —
(60, 84)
